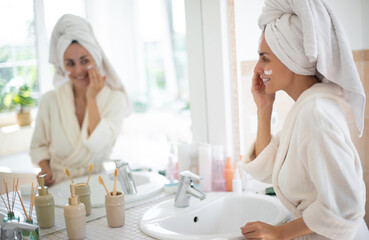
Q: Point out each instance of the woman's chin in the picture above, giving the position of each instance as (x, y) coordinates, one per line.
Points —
(83, 83)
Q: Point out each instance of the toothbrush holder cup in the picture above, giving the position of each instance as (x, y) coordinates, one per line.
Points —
(83, 191)
(115, 213)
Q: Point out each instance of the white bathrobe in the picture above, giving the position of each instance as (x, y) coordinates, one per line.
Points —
(314, 166)
(59, 138)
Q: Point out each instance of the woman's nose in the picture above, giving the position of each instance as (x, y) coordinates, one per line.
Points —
(258, 68)
(79, 68)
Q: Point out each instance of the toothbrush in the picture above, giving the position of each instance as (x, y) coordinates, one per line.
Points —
(115, 182)
(101, 181)
(89, 172)
(66, 171)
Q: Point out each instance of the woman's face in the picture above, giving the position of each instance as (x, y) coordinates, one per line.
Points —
(274, 74)
(77, 61)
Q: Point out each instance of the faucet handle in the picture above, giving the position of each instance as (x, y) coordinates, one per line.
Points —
(189, 175)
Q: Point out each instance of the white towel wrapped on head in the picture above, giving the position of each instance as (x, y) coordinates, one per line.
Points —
(307, 38)
(68, 28)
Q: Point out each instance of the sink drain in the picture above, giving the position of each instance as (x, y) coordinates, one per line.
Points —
(195, 219)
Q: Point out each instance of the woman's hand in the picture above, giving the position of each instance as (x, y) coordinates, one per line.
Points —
(45, 169)
(261, 98)
(97, 82)
(260, 230)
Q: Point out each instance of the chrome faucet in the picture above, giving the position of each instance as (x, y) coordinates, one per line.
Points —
(125, 177)
(12, 230)
(186, 189)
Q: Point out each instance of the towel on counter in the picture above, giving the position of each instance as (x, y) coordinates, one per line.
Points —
(306, 37)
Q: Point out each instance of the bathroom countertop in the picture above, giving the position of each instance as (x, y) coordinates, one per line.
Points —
(96, 226)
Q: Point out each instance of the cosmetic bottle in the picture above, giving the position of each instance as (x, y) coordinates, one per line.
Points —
(172, 167)
(236, 182)
(228, 174)
(205, 166)
(75, 216)
(218, 169)
(44, 204)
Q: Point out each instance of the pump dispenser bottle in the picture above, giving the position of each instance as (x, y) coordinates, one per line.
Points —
(75, 216)
(44, 204)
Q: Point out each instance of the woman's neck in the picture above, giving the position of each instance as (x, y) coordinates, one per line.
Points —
(79, 93)
(301, 83)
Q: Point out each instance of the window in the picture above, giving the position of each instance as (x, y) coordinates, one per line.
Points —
(18, 62)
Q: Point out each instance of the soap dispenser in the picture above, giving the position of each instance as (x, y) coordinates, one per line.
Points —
(44, 204)
(75, 216)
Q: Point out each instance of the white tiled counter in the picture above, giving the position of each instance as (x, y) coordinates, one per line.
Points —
(97, 227)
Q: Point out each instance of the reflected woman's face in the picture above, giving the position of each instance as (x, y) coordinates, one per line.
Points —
(77, 61)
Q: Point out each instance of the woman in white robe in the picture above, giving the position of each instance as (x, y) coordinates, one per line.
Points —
(78, 122)
(312, 163)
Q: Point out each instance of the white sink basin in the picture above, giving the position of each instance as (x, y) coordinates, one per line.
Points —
(219, 216)
(147, 184)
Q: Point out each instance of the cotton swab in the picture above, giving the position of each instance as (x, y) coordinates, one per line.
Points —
(89, 172)
(66, 171)
(101, 181)
(115, 182)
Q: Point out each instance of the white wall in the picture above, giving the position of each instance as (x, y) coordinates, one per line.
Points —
(353, 15)
(365, 22)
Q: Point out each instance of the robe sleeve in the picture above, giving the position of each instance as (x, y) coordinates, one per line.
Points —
(39, 149)
(335, 170)
(106, 132)
(261, 167)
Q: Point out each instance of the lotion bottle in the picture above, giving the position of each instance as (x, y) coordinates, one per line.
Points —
(44, 204)
(228, 174)
(75, 216)
(236, 182)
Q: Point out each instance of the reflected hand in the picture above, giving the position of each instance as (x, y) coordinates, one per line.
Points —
(261, 98)
(260, 230)
(97, 82)
(45, 169)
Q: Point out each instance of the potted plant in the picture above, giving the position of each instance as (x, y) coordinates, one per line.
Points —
(23, 100)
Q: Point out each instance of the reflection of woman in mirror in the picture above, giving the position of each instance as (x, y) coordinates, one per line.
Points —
(78, 122)
(313, 164)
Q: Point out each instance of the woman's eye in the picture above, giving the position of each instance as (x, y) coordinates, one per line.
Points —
(264, 59)
(70, 64)
(84, 61)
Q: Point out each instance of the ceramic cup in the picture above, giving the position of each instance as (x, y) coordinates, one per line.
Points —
(83, 191)
(115, 213)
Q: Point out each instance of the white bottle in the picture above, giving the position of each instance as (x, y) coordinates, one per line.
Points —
(205, 166)
(236, 182)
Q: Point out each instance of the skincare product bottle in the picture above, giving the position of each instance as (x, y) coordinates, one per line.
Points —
(236, 182)
(218, 169)
(172, 168)
(228, 174)
(205, 166)
(75, 216)
(44, 204)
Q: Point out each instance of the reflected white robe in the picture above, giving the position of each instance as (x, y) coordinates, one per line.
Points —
(59, 138)
(314, 166)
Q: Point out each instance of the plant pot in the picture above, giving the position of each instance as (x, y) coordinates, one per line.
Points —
(24, 119)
